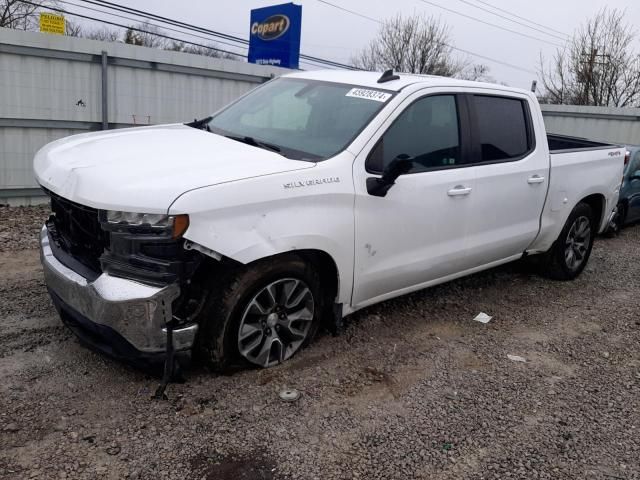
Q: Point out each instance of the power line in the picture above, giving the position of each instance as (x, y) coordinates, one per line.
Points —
(307, 62)
(150, 24)
(484, 57)
(491, 24)
(500, 62)
(135, 29)
(148, 15)
(563, 38)
(153, 16)
(207, 31)
(521, 18)
(310, 60)
(350, 11)
(188, 26)
(164, 27)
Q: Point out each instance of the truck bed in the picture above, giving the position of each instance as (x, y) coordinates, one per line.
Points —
(579, 168)
(562, 143)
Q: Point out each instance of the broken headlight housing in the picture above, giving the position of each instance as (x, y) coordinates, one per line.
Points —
(146, 247)
(177, 224)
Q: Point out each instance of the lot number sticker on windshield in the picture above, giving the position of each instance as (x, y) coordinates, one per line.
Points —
(367, 94)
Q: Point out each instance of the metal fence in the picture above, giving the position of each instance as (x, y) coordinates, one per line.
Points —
(53, 86)
(616, 125)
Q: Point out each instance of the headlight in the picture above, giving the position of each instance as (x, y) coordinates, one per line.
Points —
(130, 218)
(177, 223)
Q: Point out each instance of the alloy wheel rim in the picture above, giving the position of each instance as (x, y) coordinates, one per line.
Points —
(276, 322)
(577, 242)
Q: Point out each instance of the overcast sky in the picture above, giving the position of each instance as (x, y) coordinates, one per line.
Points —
(331, 33)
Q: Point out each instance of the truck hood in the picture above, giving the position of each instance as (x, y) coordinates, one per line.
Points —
(145, 169)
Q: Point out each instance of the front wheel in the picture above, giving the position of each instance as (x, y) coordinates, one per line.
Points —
(570, 252)
(262, 315)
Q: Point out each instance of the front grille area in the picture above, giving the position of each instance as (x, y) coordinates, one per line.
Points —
(83, 240)
(75, 229)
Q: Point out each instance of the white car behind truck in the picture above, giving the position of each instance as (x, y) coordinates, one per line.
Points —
(315, 195)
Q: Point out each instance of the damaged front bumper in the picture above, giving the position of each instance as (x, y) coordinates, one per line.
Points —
(120, 317)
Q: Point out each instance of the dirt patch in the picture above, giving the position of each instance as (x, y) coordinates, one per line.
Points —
(250, 466)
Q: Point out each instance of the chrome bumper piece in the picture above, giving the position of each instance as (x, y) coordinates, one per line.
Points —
(135, 311)
(612, 216)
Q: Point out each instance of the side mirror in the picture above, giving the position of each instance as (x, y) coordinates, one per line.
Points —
(400, 165)
(635, 175)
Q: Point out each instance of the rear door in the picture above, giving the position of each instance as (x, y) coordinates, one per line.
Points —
(512, 170)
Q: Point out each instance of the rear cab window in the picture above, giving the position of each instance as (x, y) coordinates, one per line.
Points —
(503, 128)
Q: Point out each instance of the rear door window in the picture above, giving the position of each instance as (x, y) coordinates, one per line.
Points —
(502, 128)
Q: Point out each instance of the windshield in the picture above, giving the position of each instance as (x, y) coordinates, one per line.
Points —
(302, 119)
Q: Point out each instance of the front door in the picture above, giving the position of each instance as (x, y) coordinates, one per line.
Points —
(417, 232)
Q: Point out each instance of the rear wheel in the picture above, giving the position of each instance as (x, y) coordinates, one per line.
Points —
(260, 315)
(570, 252)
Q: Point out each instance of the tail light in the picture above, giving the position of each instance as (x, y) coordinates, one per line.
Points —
(627, 156)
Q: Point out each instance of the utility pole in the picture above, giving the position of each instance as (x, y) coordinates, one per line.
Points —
(587, 76)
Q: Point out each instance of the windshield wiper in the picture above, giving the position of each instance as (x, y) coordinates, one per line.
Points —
(202, 124)
(255, 143)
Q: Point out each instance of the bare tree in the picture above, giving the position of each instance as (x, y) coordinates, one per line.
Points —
(21, 15)
(415, 44)
(73, 29)
(104, 33)
(599, 66)
(208, 51)
(146, 35)
(477, 72)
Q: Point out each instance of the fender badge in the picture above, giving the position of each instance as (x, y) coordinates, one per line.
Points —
(311, 182)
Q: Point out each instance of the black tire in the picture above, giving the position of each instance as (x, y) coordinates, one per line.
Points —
(554, 263)
(229, 298)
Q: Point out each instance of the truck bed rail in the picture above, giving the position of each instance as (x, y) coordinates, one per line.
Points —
(562, 143)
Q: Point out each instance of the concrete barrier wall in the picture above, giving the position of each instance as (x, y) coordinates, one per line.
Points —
(616, 125)
(51, 86)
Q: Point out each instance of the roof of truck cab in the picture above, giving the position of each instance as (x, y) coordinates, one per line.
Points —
(370, 80)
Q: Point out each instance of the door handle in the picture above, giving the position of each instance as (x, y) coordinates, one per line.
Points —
(535, 179)
(459, 190)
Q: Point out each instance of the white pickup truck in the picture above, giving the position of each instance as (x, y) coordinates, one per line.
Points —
(315, 195)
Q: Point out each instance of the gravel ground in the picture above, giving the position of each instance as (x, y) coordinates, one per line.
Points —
(19, 226)
(413, 388)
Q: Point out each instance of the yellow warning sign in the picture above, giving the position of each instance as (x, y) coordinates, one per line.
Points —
(52, 23)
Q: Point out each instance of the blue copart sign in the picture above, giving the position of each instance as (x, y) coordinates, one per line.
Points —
(274, 35)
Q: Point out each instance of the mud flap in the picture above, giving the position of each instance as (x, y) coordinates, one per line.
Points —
(335, 325)
(172, 370)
